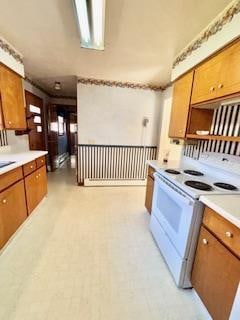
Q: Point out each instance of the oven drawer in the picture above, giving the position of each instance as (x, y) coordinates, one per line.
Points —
(224, 230)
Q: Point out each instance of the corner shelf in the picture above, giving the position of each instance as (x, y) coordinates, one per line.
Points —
(212, 137)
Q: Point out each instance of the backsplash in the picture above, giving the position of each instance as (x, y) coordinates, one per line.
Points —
(3, 138)
(226, 121)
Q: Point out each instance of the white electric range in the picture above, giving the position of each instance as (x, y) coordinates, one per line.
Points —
(177, 212)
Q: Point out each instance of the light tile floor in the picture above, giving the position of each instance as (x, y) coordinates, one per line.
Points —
(87, 254)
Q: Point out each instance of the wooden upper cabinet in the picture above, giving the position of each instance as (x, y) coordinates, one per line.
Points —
(219, 76)
(206, 80)
(180, 106)
(229, 81)
(12, 99)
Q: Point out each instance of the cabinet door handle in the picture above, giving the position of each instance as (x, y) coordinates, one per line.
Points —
(36, 176)
(4, 201)
(205, 242)
(39, 175)
(31, 167)
(220, 86)
(9, 122)
(228, 234)
(212, 89)
(42, 160)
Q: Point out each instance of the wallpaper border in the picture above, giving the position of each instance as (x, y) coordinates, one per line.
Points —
(214, 28)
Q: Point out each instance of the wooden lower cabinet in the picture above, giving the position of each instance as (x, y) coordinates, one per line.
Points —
(149, 190)
(215, 275)
(13, 211)
(36, 188)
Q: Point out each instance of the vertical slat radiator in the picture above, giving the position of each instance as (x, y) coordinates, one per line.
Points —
(113, 162)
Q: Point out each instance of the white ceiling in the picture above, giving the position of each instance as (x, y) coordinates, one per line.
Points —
(141, 39)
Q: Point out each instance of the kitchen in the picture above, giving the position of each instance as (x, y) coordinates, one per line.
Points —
(78, 241)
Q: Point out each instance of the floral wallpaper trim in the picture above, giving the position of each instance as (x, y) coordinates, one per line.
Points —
(130, 85)
(10, 50)
(214, 28)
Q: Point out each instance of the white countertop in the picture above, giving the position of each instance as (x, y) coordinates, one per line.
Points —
(228, 206)
(156, 164)
(19, 158)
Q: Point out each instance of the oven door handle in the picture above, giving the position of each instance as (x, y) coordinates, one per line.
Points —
(170, 188)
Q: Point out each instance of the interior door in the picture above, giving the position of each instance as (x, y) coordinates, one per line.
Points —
(35, 121)
(52, 121)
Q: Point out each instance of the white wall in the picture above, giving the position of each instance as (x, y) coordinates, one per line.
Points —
(112, 115)
(165, 143)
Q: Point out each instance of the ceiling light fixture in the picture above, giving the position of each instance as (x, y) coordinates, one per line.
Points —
(91, 21)
(57, 85)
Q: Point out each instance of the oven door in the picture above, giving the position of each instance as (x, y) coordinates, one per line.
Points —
(174, 210)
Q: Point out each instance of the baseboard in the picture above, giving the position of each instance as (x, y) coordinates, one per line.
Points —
(113, 182)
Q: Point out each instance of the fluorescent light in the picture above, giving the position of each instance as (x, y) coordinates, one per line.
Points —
(82, 16)
(98, 18)
(92, 35)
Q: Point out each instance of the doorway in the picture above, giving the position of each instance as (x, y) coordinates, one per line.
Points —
(62, 134)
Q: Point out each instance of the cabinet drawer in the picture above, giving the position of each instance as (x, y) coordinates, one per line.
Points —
(13, 211)
(9, 178)
(224, 230)
(29, 168)
(151, 171)
(41, 161)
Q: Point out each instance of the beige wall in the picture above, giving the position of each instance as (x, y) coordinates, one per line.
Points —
(165, 143)
(112, 115)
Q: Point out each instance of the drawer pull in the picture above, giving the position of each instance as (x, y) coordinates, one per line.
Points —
(9, 122)
(228, 234)
(36, 176)
(220, 86)
(4, 201)
(42, 160)
(212, 89)
(205, 241)
(39, 175)
(31, 167)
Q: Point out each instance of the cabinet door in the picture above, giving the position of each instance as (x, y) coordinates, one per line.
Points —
(42, 182)
(229, 81)
(36, 188)
(215, 276)
(12, 99)
(13, 211)
(206, 79)
(31, 185)
(180, 106)
(149, 193)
